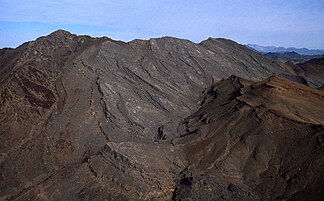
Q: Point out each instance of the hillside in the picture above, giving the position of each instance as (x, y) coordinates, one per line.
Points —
(255, 141)
(313, 71)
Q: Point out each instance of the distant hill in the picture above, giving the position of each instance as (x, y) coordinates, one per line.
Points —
(302, 51)
(292, 57)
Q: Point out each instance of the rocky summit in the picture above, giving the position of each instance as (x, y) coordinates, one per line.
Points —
(86, 118)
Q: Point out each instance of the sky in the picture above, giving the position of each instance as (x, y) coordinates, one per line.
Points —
(287, 23)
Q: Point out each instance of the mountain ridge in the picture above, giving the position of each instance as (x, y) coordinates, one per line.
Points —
(302, 51)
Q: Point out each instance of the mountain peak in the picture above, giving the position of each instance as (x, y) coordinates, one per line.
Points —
(60, 32)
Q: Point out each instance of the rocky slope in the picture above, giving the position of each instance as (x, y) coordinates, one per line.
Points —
(96, 119)
(255, 141)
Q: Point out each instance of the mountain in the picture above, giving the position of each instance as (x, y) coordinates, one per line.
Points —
(86, 118)
(302, 51)
(292, 57)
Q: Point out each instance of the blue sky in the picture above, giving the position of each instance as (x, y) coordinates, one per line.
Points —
(298, 23)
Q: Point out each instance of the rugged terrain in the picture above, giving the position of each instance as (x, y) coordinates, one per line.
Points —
(86, 118)
(256, 141)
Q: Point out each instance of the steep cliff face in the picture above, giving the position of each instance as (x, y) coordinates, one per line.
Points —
(92, 118)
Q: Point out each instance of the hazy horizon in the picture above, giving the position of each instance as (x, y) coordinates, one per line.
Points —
(297, 23)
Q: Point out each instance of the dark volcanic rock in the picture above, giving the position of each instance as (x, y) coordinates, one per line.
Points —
(86, 118)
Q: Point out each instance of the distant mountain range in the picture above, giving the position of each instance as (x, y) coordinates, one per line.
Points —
(302, 51)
